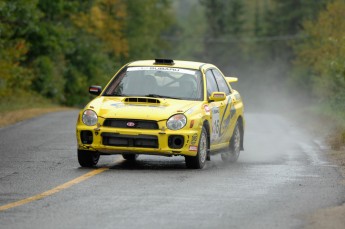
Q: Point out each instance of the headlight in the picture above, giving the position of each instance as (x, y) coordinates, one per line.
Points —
(90, 118)
(176, 122)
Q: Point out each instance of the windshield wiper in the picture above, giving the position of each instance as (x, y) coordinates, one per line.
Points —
(160, 96)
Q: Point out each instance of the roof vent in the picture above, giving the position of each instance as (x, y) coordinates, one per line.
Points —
(164, 61)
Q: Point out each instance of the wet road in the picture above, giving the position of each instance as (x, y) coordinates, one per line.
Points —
(280, 178)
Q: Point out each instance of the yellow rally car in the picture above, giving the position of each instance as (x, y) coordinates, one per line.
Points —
(163, 107)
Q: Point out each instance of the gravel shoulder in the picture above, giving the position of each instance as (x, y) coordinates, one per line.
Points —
(12, 117)
(332, 217)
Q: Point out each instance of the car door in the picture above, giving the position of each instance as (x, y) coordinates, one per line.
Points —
(227, 122)
(217, 108)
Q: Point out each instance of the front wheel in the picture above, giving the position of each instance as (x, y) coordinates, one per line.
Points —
(233, 152)
(87, 158)
(199, 161)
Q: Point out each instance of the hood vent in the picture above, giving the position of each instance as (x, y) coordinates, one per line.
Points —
(141, 100)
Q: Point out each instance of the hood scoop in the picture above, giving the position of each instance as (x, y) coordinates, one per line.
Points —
(141, 100)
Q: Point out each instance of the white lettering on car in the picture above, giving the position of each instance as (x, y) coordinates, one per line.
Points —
(215, 124)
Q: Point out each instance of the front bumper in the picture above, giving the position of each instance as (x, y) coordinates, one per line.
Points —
(108, 140)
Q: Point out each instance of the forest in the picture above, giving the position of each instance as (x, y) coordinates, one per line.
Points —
(53, 50)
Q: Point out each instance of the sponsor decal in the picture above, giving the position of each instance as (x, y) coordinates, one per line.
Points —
(118, 105)
(130, 124)
(215, 124)
(193, 148)
(194, 139)
(163, 69)
(207, 108)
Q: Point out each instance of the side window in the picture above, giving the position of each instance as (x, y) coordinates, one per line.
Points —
(210, 83)
(222, 84)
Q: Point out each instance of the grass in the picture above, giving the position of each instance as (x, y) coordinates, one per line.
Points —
(23, 100)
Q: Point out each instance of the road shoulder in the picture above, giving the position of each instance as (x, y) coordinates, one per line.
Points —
(12, 117)
(332, 217)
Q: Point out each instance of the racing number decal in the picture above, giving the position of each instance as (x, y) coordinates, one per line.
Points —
(215, 124)
(221, 124)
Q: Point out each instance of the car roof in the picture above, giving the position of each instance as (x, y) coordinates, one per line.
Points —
(176, 64)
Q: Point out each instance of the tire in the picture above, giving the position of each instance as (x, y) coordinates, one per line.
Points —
(88, 158)
(199, 161)
(233, 152)
(130, 157)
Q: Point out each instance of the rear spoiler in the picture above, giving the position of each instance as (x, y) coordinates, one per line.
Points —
(231, 79)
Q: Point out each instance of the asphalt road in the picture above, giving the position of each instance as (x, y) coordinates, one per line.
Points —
(280, 178)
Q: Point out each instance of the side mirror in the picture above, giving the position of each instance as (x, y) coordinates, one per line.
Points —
(217, 96)
(95, 90)
(231, 79)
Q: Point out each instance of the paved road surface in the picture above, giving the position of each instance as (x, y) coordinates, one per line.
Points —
(280, 178)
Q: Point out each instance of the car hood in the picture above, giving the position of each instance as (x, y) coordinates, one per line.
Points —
(140, 107)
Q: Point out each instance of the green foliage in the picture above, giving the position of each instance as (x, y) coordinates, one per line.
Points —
(224, 17)
(225, 25)
(87, 66)
(16, 19)
(58, 48)
(187, 35)
(323, 55)
(283, 21)
(49, 80)
(148, 21)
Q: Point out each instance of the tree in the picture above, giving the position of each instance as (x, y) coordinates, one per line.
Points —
(17, 18)
(106, 21)
(50, 42)
(225, 27)
(147, 23)
(322, 53)
(283, 23)
(224, 17)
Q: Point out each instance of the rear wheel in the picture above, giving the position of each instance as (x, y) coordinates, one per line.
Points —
(233, 152)
(199, 161)
(88, 158)
(130, 157)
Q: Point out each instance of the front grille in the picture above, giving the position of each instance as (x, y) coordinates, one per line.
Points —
(143, 141)
(134, 124)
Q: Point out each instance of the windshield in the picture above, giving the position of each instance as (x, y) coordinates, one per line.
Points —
(159, 82)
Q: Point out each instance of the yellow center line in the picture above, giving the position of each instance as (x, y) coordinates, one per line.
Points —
(56, 189)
